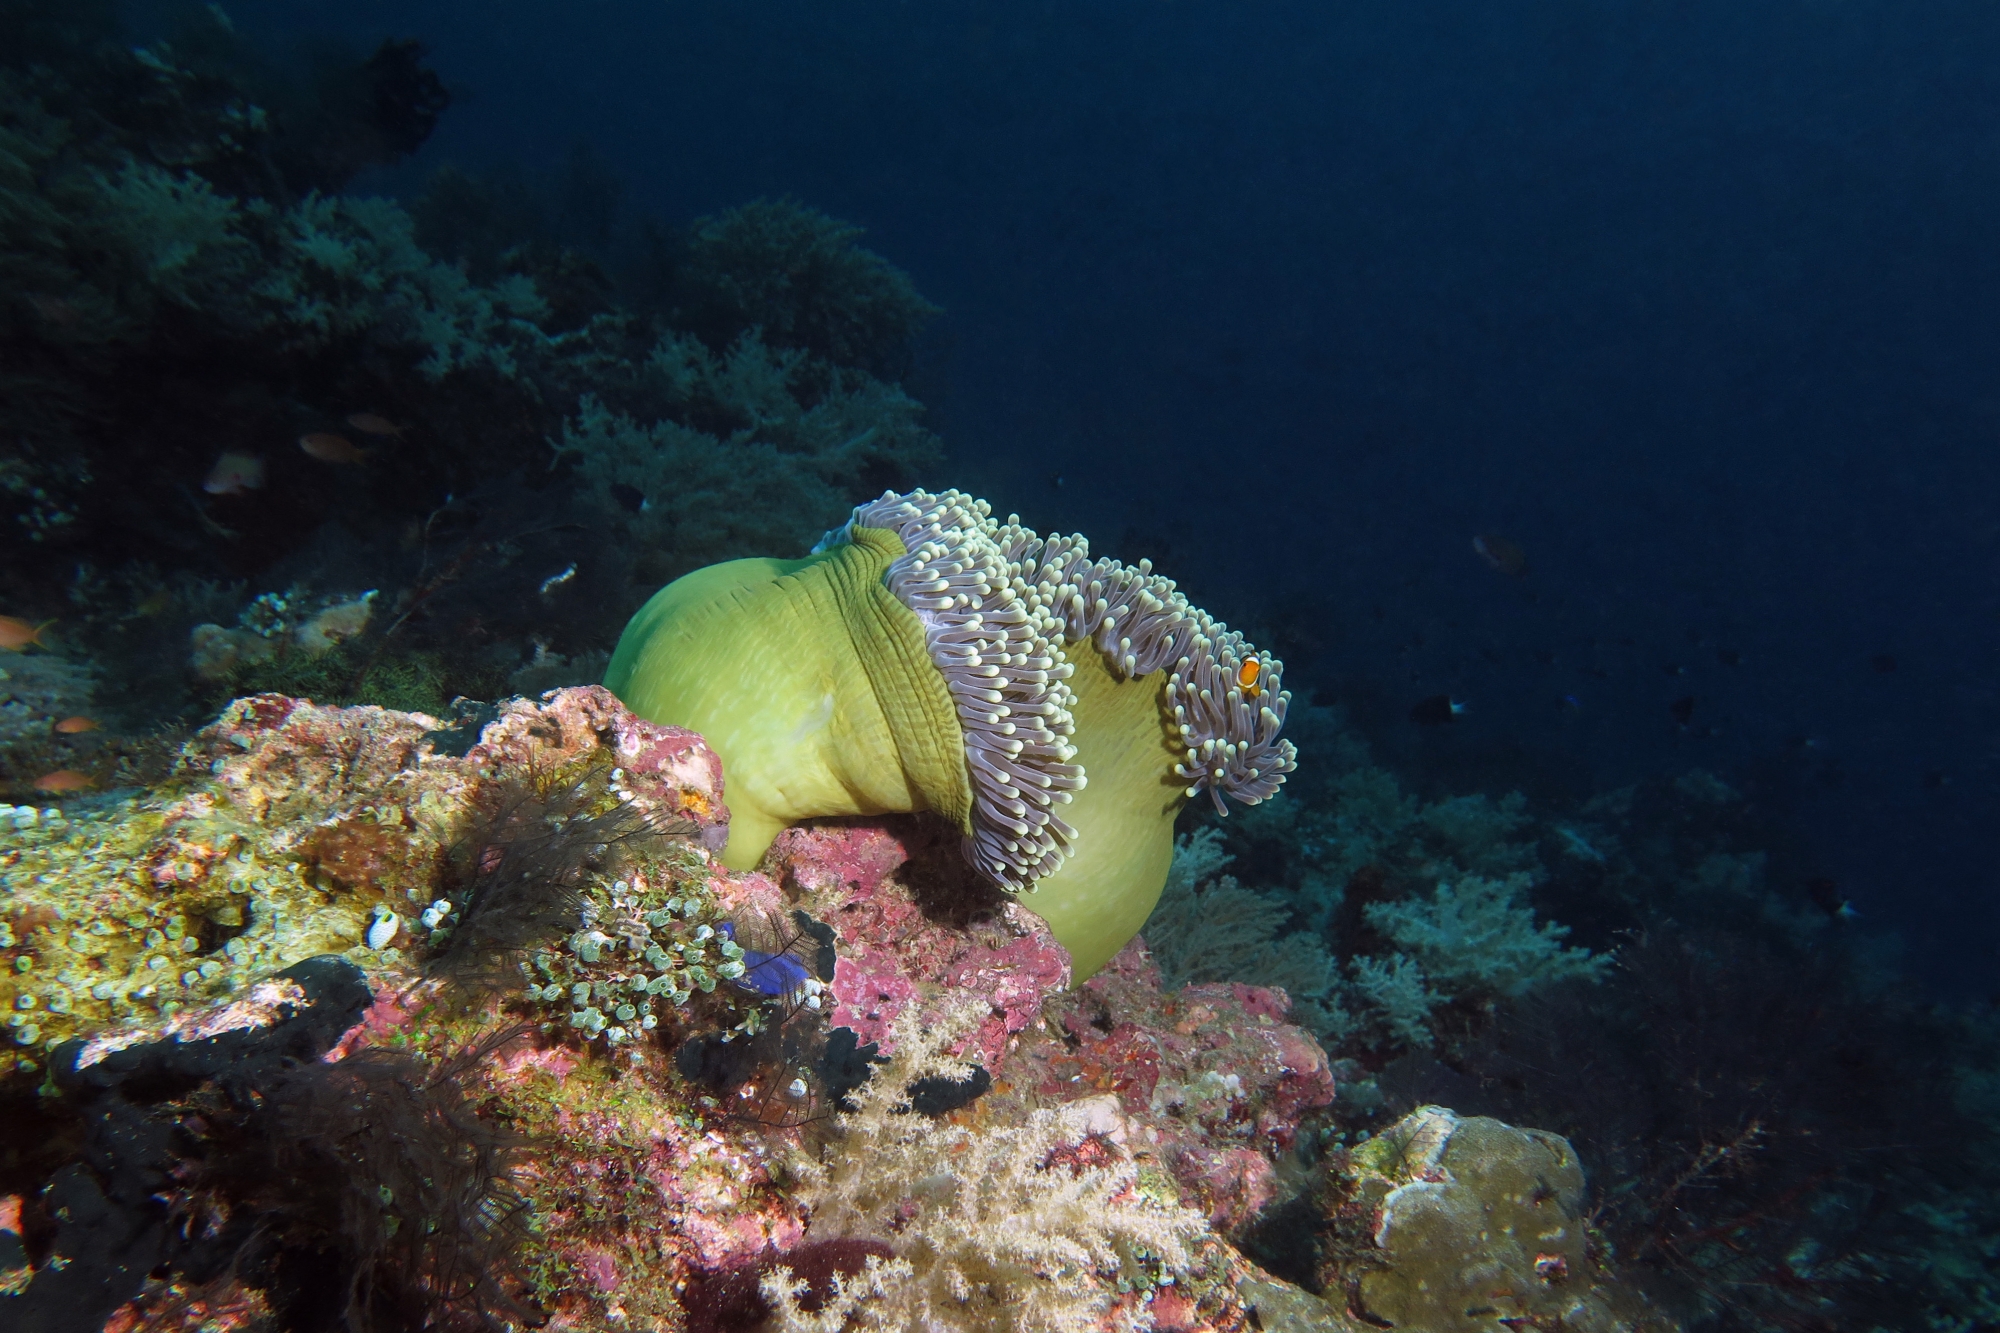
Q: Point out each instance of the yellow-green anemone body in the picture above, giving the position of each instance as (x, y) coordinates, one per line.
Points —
(809, 679)
(929, 658)
(1124, 820)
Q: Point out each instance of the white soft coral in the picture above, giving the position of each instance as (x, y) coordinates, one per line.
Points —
(1028, 1227)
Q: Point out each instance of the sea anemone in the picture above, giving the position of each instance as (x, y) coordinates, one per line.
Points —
(928, 657)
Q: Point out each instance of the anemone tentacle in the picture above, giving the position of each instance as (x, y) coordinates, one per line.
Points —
(1142, 623)
(1233, 747)
(999, 653)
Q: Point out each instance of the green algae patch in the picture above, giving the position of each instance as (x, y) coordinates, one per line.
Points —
(129, 912)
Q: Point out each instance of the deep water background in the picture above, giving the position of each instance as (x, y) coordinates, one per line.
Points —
(1697, 302)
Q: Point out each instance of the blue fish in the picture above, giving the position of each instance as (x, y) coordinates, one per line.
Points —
(771, 974)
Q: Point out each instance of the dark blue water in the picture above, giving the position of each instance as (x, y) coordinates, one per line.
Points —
(1578, 396)
(1695, 302)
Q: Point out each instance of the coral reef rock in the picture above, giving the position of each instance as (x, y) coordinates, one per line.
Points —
(291, 831)
(1216, 1080)
(683, 1084)
(1465, 1223)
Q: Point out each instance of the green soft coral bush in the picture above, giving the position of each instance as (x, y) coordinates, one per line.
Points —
(1479, 834)
(1476, 937)
(343, 268)
(1208, 927)
(185, 285)
(800, 277)
(1396, 1000)
(774, 468)
(173, 236)
(1441, 924)
(144, 266)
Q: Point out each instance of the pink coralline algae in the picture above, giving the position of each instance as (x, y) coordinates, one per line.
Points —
(319, 781)
(274, 757)
(1211, 1075)
(892, 955)
(668, 770)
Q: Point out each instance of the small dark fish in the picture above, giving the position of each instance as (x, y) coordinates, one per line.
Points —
(1827, 897)
(1436, 711)
(374, 423)
(1056, 482)
(629, 498)
(1682, 709)
(458, 732)
(1883, 662)
(1729, 657)
(1936, 779)
(822, 936)
(330, 448)
(235, 474)
(936, 1096)
(1504, 555)
(57, 310)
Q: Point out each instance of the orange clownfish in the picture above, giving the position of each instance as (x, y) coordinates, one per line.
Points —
(1247, 676)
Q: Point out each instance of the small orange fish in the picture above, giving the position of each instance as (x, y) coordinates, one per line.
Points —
(1247, 676)
(17, 635)
(331, 448)
(76, 726)
(369, 423)
(235, 474)
(64, 779)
